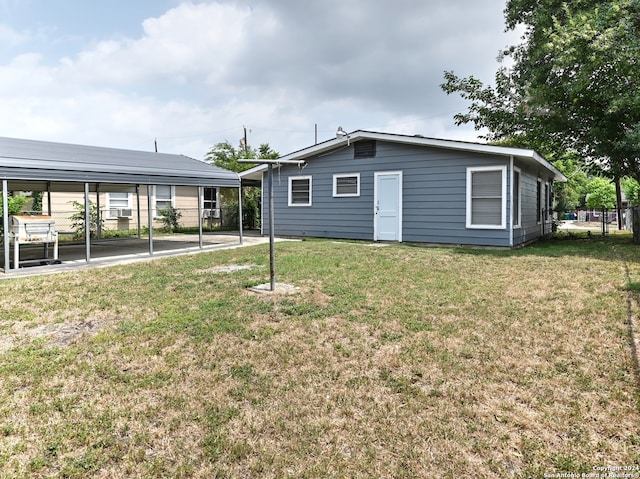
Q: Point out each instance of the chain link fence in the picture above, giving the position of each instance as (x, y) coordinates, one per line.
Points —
(130, 222)
(601, 220)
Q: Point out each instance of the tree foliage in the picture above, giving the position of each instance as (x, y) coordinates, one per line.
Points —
(225, 155)
(601, 193)
(574, 83)
(14, 203)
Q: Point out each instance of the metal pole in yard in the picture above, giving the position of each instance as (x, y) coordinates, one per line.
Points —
(272, 254)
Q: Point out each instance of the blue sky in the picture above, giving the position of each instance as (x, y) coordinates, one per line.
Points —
(194, 73)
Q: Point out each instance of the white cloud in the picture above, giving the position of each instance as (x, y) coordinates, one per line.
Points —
(201, 71)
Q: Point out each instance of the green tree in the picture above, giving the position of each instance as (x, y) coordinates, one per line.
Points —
(570, 194)
(631, 189)
(226, 156)
(574, 83)
(601, 193)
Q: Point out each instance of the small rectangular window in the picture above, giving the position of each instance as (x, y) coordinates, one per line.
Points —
(299, 191)
(486, 197)
(364, 149)
(163, 197)
(346, 185)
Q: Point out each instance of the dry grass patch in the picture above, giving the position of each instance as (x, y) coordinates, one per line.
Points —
(387, 362)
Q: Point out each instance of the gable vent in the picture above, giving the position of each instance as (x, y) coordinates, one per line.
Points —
(364, 149)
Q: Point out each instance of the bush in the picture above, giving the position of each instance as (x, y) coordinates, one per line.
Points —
(170, 218)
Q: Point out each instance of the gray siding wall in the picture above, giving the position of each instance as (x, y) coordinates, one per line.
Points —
(434, 196)
(530, 228)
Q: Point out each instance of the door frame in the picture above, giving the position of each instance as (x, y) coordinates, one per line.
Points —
(376, 175)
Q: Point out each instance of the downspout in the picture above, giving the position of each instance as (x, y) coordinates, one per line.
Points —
(5, 225)
(510, 217)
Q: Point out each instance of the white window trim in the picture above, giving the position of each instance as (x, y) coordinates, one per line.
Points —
(345, 175)
(513, 192)
(293, 178)
(503, 203)
(110, 209)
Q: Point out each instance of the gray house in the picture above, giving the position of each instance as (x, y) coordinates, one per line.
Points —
(388, 187)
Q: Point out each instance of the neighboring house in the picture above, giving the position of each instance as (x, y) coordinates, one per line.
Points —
(389, 187)
(119, 209)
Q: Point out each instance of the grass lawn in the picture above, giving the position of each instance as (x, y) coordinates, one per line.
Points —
(394, 361)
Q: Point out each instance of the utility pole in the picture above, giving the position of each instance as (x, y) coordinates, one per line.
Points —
(246, 148)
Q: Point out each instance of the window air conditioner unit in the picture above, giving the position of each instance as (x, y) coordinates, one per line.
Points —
(125, 213)
(212, 213)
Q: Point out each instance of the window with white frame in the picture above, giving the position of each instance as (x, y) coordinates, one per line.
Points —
(119, 205)
(163, 198)
(346, 185)
(299, 191)
(210, 203)
(515, 205)
(486, 197)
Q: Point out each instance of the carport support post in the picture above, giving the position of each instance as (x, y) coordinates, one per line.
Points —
(200, 199)
(5, 225)
(87, 224)
(240, 210)
(138, 211)
(150, 215)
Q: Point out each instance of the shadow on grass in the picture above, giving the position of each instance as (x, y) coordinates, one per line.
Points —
(616, 247)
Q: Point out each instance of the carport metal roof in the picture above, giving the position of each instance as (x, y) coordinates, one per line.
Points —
(65, 167)
(29, 165)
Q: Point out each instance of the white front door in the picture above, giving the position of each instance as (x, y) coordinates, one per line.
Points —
(388, 206)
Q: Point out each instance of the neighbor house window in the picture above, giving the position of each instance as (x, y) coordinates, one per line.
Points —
(210, 203)
(346, 185)
(163, 198)
(299, 191)
(486, 197)
(118, 205)
(515, 207)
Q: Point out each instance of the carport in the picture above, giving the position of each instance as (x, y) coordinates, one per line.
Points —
(29, 165)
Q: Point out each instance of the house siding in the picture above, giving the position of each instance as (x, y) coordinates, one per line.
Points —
(530, 228)
(434, 196)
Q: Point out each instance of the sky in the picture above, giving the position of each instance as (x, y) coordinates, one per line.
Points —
(186, 75)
